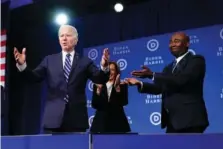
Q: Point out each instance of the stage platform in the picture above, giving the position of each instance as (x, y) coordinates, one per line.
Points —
(114, 141)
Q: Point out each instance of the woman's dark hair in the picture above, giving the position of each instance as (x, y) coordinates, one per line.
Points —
(116, 67)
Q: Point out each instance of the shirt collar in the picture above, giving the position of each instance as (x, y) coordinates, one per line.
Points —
(71, 53)
(181, 57)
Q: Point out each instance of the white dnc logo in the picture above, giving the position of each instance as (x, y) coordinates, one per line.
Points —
(93, 54)
(152, 45)
(122, 64)
(90, 120)
(90, 85)
(221, 33)
(155, 118)
(192, 51)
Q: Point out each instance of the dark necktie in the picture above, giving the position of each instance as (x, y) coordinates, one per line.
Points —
(174, 66)
(67, 68)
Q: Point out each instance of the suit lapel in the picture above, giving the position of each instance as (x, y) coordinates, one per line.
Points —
(74, 65)
(112, 92)
(181, 65)
(169, 69)
(59, 62)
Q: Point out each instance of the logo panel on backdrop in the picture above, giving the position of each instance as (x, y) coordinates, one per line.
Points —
(153, 51)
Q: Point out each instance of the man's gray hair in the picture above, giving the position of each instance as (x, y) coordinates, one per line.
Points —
(74, 30)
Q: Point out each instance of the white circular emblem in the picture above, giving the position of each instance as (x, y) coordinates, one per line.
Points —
(122, 64)
(221, 33)
(152, 45)
(93, 54)
(155, 118)
(90, 120)
(192, 51)
(90, 86)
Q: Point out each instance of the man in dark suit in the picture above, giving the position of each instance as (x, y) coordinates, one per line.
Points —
(181, 85)
(66, 74)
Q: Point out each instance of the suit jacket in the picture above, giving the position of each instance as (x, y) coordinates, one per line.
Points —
(51, 69)
(3, 107)
(3, 102)
(182, 93)
(110, 116)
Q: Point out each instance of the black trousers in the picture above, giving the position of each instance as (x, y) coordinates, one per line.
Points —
(197, 129)
(65, 126)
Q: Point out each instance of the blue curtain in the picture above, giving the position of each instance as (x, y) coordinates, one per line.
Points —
(153, 17)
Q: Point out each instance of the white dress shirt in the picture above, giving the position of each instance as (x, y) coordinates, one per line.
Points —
(64, 54)
(109, 86)
(181, 57)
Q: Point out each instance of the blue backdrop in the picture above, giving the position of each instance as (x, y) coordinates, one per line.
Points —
(143, 110)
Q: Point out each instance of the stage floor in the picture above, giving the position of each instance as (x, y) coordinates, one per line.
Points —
(114, 141)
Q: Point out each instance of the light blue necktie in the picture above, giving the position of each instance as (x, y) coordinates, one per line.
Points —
(67, 69)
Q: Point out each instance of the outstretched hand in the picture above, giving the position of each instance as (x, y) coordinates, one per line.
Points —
(117, 80)
(132, 81)
(20, 57)
(105, 58)
(144, 73)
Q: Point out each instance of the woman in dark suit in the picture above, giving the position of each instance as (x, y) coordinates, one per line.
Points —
(108, 100)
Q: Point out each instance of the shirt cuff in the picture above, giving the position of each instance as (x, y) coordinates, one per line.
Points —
(21, 67)
(141, 85)
(153, 76)
(105, 69)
